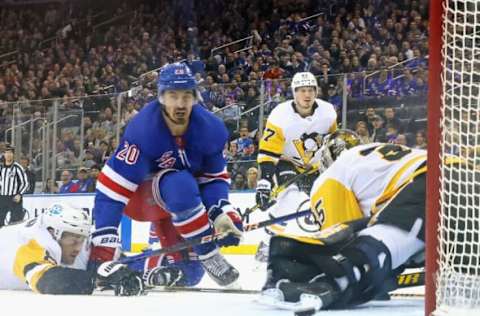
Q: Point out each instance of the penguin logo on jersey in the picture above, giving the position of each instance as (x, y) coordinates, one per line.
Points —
(308, 145)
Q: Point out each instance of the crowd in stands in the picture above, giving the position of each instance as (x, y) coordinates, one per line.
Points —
(69, 51)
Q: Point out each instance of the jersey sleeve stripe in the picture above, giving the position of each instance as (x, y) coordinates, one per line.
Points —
(109, 230)
(111, 194)
(116, 177)
(200, 210)
(222, 173)
(204, 180)
(33, 275)
(193, 226)
(209, 177)
(29, 267)
(115, 186)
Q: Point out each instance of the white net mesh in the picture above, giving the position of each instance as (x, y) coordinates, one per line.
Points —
(458, 283)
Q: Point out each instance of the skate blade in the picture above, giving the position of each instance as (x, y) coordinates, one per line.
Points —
(306, 303)
(235, 285)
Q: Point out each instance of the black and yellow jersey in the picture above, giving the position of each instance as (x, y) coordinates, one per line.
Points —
(295, 137)
(31, 259)
(362, 180)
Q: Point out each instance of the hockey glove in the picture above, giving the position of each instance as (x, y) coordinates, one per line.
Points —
(162, 276)
(117, 276)
(263, 194)
(226, 221)
(105, 246)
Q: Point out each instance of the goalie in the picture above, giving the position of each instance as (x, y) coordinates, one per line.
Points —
(382, 184)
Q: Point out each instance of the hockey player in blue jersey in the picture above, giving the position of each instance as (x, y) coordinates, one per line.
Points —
(179, 146)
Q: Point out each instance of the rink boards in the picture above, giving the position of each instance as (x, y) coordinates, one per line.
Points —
(135, 234)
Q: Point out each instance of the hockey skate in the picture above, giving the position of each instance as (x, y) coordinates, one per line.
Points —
(222, 272)
(299, 296)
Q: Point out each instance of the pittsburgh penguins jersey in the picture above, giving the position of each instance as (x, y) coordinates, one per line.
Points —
(147, 147)
(295, 137)
(28, 251)
(363, 179)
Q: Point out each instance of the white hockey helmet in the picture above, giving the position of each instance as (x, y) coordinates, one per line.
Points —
(62, 217)
(303, 79)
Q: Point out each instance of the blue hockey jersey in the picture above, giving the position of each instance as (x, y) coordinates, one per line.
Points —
(147, 147)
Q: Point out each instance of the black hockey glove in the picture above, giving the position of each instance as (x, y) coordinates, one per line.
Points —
(263, 194)
(117, 276)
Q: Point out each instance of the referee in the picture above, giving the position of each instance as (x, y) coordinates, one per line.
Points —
(13, 183)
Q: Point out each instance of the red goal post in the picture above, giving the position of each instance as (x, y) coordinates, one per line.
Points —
(452, 206)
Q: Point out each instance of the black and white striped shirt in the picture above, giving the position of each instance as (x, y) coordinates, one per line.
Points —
(13, 179)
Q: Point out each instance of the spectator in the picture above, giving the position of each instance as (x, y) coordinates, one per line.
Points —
(391, 119)
(239, 182)
(129, 113)
(105, 151)
(379, 134)
(420, 140)
(68, 185)
(93, 175)
(252, 175)
(333, 97)
(369, 117)
(88, 159)
(232, 154)
(83, 183)
(244, 143)
(392, 133)
(274, 72)
(401, 140)
(362, 131)
(50, 186)
(25, 163)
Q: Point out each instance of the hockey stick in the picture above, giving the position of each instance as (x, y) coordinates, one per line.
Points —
(405, 280)
(210, 238)
(275, 192)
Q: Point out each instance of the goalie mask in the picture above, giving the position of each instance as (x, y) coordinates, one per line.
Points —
(337, 142)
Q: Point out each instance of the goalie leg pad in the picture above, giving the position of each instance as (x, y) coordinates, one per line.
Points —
(294, 260)
(372, 259)
(284, 268)
(358, 270)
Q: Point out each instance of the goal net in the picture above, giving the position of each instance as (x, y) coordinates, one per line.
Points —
(453, 194)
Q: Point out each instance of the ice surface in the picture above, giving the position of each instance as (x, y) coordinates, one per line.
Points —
(183, 303)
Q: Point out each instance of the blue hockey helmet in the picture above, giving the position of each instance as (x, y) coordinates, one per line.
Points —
(176, 76)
